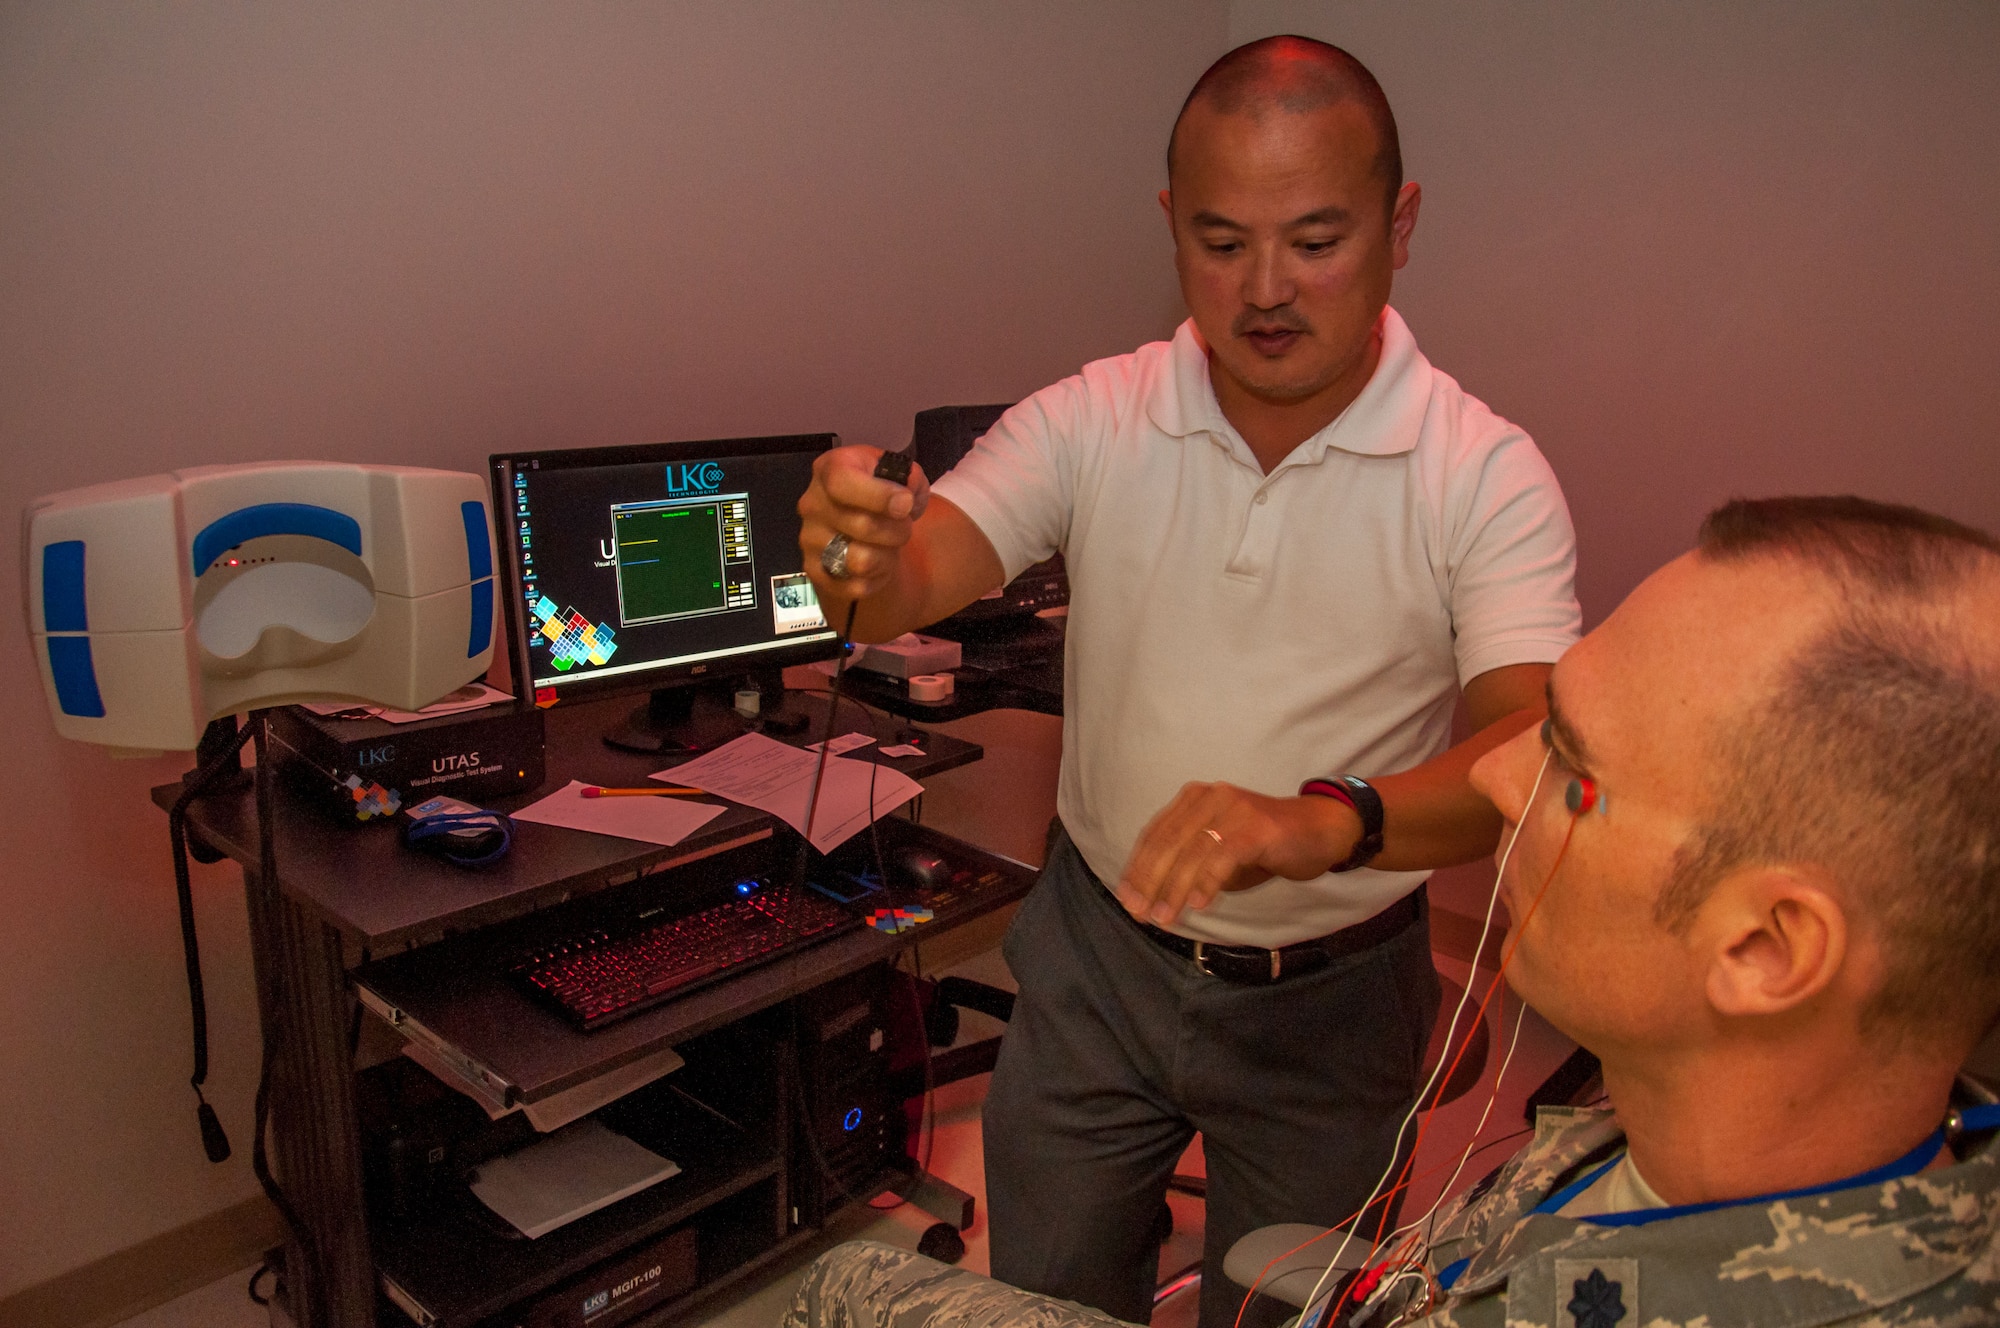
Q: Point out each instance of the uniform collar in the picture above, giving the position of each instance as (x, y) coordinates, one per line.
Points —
(1934, 1223)
(1383, 421)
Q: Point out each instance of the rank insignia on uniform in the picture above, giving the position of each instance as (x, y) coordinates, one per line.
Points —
(1598, 1303)
(1597, 1293)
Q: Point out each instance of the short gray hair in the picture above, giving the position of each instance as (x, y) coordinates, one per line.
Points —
(1876, 755)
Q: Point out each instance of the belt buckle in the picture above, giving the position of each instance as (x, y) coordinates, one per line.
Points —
(1201, 963)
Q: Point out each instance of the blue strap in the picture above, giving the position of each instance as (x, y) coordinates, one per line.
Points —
(1555, 1202)
(1909, 1164)
(1971, 1120)
(248, 523)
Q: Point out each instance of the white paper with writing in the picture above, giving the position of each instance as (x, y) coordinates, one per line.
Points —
(777, 778)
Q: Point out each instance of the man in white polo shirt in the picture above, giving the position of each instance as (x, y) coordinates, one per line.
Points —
(1292, 546)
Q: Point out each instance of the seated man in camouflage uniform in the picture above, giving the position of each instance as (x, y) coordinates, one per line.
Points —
(1758, 874)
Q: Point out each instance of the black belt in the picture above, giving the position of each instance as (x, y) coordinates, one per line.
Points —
(1253, 965)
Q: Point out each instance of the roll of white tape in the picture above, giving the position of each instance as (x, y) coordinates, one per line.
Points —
(931, 688)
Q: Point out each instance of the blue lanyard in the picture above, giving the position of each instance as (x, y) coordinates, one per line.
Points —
(1909, 1164)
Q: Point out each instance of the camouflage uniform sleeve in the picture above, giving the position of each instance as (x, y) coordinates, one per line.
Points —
(865, 1285)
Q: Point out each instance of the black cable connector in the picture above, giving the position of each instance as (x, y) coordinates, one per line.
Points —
(213, 1141)
(894, 466)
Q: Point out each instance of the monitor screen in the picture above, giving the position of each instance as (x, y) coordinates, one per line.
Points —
(631, 568)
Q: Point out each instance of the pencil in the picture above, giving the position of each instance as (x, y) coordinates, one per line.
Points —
(661, 791)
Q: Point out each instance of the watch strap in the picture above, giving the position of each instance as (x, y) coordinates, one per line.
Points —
(1367, 804)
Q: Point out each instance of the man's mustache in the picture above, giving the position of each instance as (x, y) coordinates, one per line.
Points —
(1281, 320)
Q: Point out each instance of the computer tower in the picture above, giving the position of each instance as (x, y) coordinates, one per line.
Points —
(849, 1135)
(942, 436)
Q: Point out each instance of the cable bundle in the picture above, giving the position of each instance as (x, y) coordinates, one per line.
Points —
(1396, 1287)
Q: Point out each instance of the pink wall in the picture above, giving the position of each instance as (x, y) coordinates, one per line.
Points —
(423, 233)
(1701, 250)
(1697, 249)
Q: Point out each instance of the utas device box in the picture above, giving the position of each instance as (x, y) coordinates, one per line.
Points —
(366, 768)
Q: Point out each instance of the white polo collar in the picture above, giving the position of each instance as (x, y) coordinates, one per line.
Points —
(1383, 421)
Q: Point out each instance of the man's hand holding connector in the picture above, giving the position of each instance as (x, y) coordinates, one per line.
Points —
(854, 524)
(902, 558)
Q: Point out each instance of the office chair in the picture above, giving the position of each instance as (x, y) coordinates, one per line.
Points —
(1291, 1277)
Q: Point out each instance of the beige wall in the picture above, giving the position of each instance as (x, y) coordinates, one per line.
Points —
(1696, 249)
(422, 233)
(1703, 249)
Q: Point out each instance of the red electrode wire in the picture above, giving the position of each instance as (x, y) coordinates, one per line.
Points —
(1403, 1180)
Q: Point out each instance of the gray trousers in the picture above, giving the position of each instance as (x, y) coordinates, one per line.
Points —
(1118, 1052)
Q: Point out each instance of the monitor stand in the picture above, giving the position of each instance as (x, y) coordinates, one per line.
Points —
(693, 718)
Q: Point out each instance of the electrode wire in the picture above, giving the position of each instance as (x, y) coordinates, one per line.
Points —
(874, 766)
(1513, 941)
(1429, 1219)
(1346, 1228)
(826, 739)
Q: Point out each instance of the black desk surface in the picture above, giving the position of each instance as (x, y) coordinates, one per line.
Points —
(1009, 664)
(362, 880)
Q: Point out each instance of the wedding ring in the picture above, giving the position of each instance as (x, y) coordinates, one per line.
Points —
(1212, 835)
(834, 557)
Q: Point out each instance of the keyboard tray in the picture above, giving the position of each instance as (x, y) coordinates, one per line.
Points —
(456, 998)
(602, 975)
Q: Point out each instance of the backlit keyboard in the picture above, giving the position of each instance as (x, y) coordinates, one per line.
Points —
(598, 976)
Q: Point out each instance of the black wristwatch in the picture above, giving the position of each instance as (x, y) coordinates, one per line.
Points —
(1367, 804)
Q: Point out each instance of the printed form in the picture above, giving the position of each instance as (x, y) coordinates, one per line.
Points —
(776, 777)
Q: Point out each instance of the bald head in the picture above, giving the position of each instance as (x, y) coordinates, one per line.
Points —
(1295, 76)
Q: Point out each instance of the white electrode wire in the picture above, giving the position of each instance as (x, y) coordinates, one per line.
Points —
(1451, 1032)
(1471, 1144)
(1513, 1041)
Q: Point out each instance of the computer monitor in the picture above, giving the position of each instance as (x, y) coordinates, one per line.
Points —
(669, 568)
